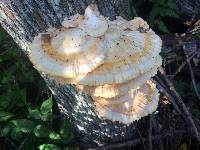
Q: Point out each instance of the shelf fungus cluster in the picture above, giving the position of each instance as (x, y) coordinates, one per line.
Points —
(113, 61)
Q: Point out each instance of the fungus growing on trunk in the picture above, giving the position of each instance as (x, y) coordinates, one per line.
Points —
(113, 61)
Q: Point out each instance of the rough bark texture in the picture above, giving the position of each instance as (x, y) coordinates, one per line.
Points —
(190, 9)
(24, 19)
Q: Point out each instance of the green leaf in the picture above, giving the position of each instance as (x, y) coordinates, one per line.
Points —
(4, 101)
(34, 113)
(5, 116)
(25, 77)
(46, 106)
(162, 27)
(29, 143)
(169, 13)
(3, 34)
(153, 15)
(65, 132)
(160, 10)
(8, 77)
(47, 117)
(54, 136)
(7, 130)
(24, 125)
(171, 4)
(16, 134)
(20, 95)
(49, 147)
(41, 131)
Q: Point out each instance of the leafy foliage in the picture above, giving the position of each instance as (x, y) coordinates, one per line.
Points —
(158, 12)
(161, 9)
(26, 121)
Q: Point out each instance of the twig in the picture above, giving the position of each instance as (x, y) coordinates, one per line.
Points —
(141, 138)
(137, 141)
(4, 52)
(172, 88)
(150, 133)
(24, 141)
(183, 65)
(163, 89)
(157, 131)
(192, 77)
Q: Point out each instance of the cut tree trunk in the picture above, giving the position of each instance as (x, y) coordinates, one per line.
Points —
(24, 19)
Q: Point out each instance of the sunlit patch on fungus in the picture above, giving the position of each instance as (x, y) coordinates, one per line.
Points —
(131, 106)
(113, 61)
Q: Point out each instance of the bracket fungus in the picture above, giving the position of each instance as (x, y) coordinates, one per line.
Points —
(113, 61)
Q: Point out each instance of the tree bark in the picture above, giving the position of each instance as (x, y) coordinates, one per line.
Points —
(24, 19)
(190, 9)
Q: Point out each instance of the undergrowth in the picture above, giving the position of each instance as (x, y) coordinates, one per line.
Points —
(156, 12)
(26, 116)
